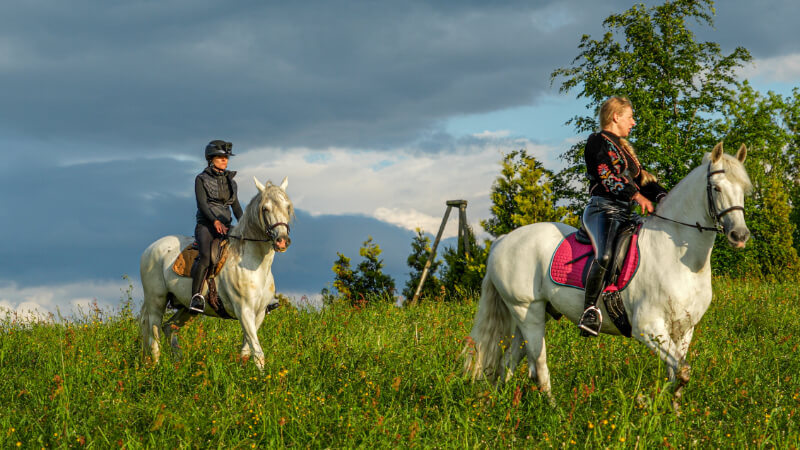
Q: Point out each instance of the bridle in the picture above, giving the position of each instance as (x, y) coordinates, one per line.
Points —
(715, 215)
(269, 228)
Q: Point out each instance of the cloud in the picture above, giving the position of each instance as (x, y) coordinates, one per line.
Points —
(782, 69)
(54, 301)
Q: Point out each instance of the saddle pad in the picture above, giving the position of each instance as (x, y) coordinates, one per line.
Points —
(571, 258)
(183, 263)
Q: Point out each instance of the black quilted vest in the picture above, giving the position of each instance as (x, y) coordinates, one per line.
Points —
(221, 193)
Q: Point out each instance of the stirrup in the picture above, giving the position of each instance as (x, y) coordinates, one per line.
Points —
(197, 304)
(591, 321)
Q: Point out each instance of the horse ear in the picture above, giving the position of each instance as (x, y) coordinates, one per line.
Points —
(716, 154)
(285, 183)
(258, 185)
(742, 153)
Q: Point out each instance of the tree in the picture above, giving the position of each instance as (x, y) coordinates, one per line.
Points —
(521, 195)
(344, 281)
(364, 284)
(764, 124)
(675, 83)
(370, 281)
(420, 252)
(463, 273)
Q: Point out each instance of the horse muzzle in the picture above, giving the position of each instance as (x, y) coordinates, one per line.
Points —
(738, 237)
(281, 243)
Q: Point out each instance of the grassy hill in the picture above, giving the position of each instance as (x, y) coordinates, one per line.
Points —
(384, 376)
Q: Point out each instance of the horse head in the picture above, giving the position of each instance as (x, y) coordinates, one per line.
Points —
(727, 184)
(274, 213)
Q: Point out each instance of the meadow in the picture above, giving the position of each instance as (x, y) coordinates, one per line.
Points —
(383, 376)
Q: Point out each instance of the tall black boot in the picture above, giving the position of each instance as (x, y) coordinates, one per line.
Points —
(592, 318)
(198, 302)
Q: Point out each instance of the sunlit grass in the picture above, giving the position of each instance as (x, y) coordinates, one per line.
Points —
(384, 376)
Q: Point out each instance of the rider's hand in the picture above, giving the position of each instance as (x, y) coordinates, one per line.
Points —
(643, 202)
(221, 229)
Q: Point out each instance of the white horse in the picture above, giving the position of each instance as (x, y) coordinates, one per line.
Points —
(664, 301)
(245, 284)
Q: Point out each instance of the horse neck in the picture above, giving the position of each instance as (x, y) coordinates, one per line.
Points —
(686, 203)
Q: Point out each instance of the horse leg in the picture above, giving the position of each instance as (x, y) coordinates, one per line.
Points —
(149, 322)
(533, 329)
(681, 378)
(171, 327)
(672, 353)
(512, 355)
(248, 321)
(245, 351)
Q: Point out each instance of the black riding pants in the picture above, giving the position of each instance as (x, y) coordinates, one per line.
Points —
(602, 219)
(204, 235)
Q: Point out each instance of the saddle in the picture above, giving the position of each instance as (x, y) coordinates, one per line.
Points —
(219, 253)
(570, 263)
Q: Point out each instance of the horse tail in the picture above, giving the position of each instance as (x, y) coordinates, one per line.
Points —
(490, 334)
(154, 304)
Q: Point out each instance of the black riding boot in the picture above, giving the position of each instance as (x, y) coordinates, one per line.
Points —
(592, 318)
(198, 302)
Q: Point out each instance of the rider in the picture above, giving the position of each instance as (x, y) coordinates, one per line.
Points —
(215, 192)
(616, 180)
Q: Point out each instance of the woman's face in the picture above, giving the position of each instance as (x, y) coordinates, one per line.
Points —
(220, 162)
(624, 122)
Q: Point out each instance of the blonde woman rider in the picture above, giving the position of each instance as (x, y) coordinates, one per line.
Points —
(616, 183)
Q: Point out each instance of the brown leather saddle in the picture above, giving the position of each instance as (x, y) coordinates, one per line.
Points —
(219, 253)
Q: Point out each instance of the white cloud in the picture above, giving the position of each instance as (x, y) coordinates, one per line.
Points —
(64, 299)
(783, 69)
(403, 187)
(486, 134)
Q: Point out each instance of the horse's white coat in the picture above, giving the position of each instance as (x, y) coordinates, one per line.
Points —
(245, 283)
(665, 300)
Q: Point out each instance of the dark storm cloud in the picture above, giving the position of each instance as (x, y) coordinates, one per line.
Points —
(156, 75)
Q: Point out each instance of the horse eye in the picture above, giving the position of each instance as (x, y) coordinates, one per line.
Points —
(716, 188)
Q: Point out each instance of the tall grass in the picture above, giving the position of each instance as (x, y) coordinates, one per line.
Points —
(383, 376)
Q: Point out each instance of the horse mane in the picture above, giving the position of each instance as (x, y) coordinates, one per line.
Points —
(734, 171)
(250, 224)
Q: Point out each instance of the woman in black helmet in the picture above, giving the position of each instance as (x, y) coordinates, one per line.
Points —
(215, 192)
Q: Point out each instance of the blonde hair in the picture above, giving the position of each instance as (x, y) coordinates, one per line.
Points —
(617, 105)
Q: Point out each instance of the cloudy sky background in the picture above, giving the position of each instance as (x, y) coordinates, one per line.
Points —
(378, 112)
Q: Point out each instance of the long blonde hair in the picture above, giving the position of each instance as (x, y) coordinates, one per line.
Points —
(617, 105)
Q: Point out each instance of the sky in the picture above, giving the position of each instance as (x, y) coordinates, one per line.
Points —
(378, 113)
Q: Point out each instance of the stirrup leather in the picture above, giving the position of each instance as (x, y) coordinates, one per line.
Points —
(199, 305)
(586, 327)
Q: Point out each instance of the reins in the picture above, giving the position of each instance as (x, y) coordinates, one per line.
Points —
(712, 208)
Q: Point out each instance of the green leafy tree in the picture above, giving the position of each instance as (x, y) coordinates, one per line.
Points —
(523, 194)
(463, 272)
(365, 283)
(764, 124)
(370, 281)
(420, 253)
(676, 85)
(344, 281)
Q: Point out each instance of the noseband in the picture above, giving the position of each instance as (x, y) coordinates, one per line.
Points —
(715, 215)
(270, 229)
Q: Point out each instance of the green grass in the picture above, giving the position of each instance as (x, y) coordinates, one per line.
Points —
(384, 377)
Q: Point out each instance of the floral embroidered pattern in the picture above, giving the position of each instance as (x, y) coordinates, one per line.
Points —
(612, 182)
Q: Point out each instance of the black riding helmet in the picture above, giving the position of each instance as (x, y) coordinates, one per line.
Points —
(218, 148)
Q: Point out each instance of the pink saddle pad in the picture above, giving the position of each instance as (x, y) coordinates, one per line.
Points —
(571, 259)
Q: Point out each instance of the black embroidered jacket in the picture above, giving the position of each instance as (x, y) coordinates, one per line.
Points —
(613, 172)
